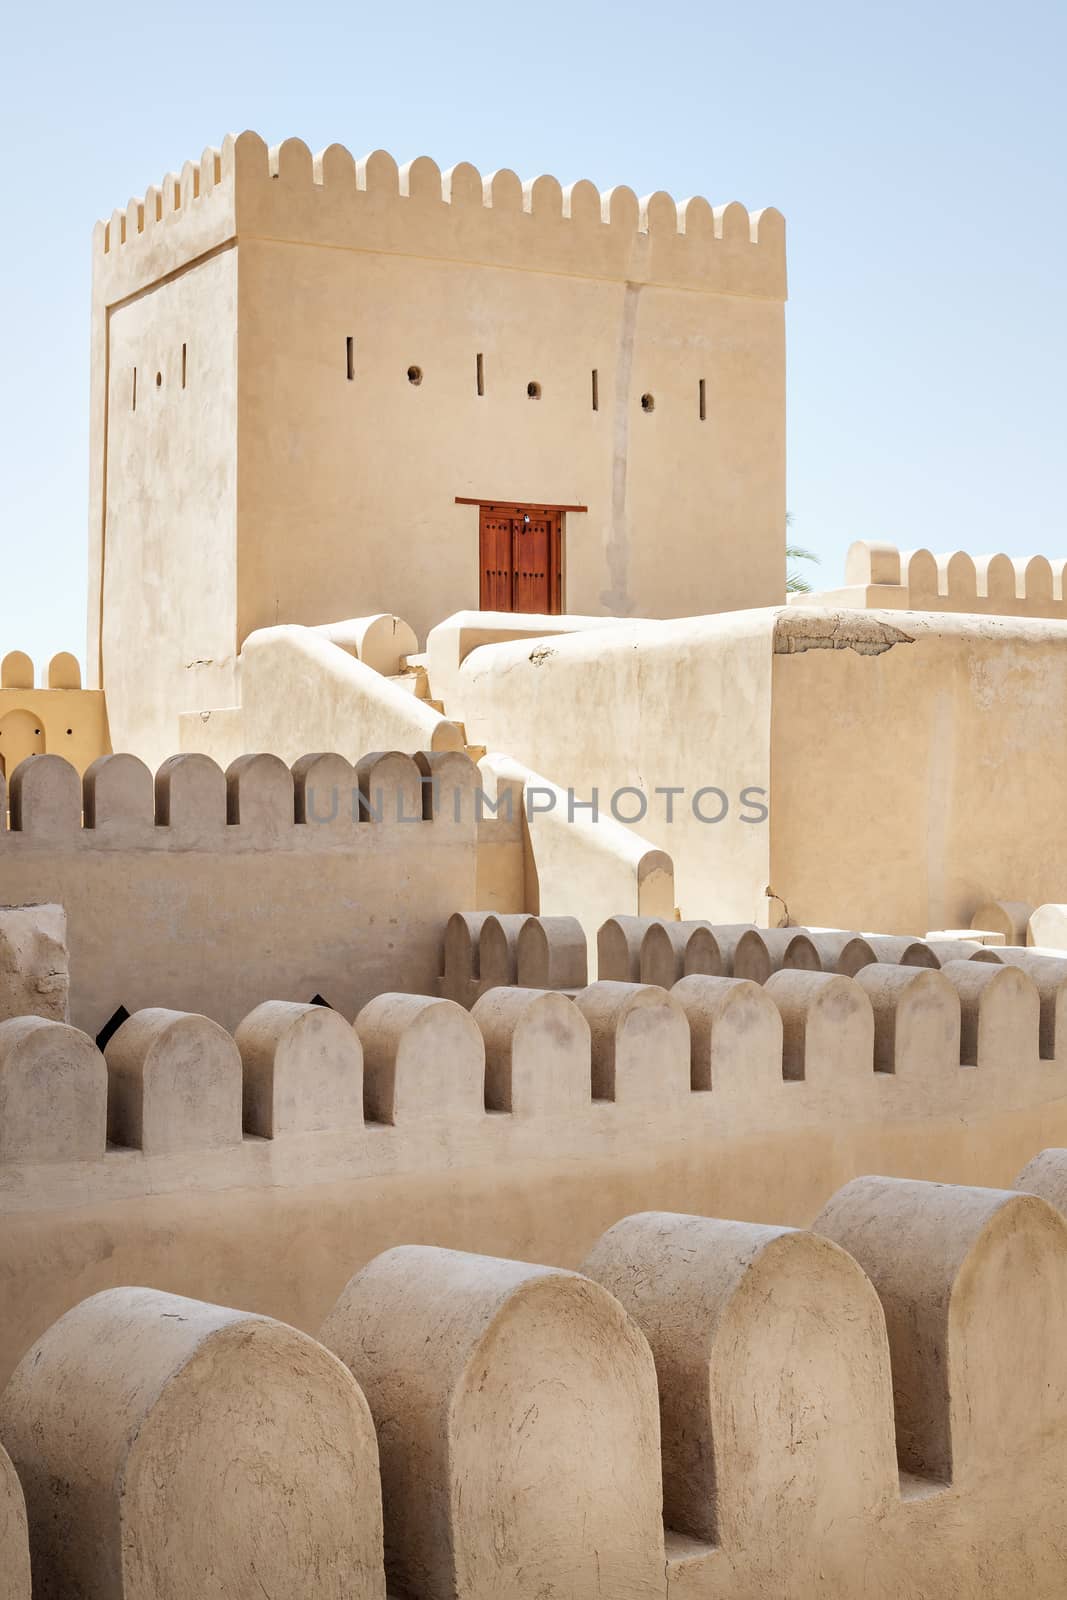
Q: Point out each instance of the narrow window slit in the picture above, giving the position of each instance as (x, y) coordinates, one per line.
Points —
(133, 405)
(703, 401)
(350, 357)
(480, 372)
(596, 389)
(185, 363)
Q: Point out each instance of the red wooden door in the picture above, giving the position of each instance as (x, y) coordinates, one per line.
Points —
(532, 544)
(496, 560)
(521, 559)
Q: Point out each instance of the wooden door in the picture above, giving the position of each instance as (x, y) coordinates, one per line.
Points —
(497, 562)
(521, 559)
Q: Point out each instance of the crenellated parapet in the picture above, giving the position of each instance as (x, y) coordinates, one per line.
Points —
(17, 671)
(320, 803)
(245, 189)
(201, 1152)
(705, 1407)
(419, 1081)
(652, 950)
(487, 950)
(329, 877)
(884, 578)
(48, 710)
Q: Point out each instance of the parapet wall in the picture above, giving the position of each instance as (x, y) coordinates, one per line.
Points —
(55, 714)
(196, 1159)
(211, 891)
(373, 204)
(707, 1408)
(882, 577)
(485, 951)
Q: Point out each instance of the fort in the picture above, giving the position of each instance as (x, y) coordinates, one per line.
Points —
(531, 1063)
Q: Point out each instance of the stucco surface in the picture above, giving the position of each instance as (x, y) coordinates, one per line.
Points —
(898, 831)
(14, 1534)
(286, 304)
(165, 636)
(215, 897)
(178, 1451)
(70, 722)
(297, 406)
(629, 691)
(300, 691)
(480, 1375)
(681, 1102)
(912, 786)
(34, 960)
(710, 1408)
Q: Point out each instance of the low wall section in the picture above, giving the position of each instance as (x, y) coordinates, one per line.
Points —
(211, 891)
(246, 1167)
(888, 579)
(707, 1408)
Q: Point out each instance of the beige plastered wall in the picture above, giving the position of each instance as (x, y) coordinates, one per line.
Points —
(682, 514)
(71, 723)
(279, 1229)
(169, 563)
(299, 691)
(913, 785)
(277, 489)
(217, 917)
(913, 761)
(646, 705)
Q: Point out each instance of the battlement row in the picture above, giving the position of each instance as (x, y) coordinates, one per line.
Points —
(705, 1407)
(723, 1055)
(484, 950)
(321, 801)
(887, 578)
(17, 671)
(245, 189)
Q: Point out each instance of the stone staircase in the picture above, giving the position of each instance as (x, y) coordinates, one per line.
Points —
(414, 678)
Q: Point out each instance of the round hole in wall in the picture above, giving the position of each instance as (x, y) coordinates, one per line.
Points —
(415, 375)
(70, 730)
(648, 402)
(159, 380)
(534, 391)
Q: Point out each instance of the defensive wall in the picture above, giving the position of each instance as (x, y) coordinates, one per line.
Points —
(359, 863)
(55, 715)
(762, 814)
(706, 1408)
(884, 578)
(211, 891)
(909, 764)
(256, 1166)
(360, 686)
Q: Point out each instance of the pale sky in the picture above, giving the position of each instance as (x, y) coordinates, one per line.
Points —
(916, 150)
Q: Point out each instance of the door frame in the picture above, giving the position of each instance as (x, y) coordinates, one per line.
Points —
(557, 546)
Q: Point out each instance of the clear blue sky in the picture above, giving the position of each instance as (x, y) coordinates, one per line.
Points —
(917, 151)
